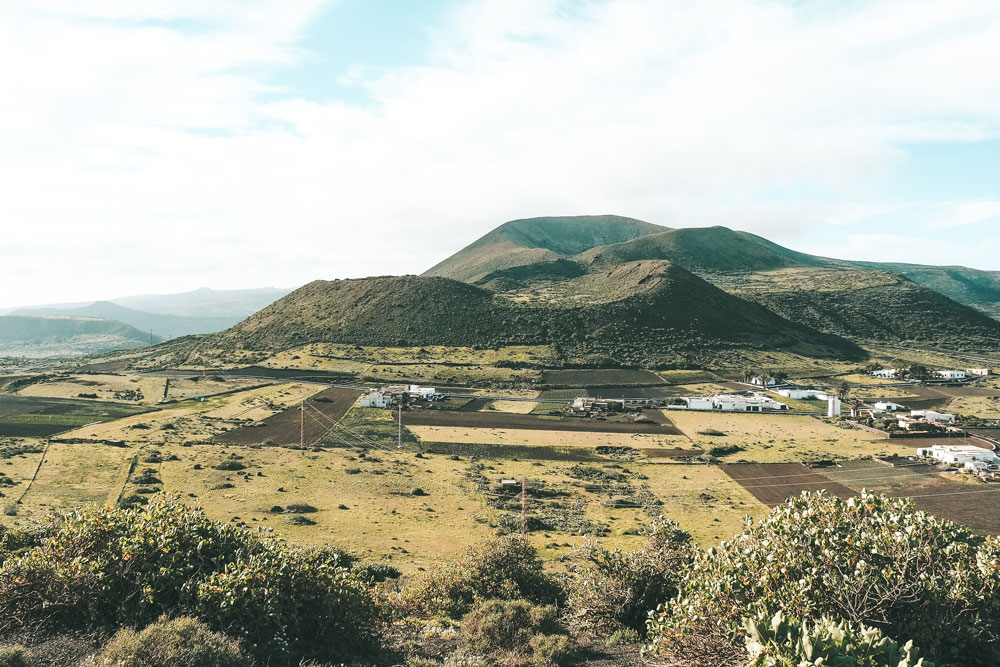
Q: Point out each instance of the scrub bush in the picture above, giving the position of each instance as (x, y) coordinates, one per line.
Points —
(181, 642)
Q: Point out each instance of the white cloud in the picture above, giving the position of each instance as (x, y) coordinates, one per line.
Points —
(962, 214)
(134, 146)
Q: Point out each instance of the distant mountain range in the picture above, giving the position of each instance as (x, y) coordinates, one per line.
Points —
(128, 322)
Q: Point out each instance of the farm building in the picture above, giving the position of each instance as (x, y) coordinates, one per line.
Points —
(933, 416)
(889, 406)
(802, 394)
(375, 399)
(422, 393)
(886, 373)
(959, 454)
(950, 374)
(748, 401)
(590, 407)
(978, 372)
(760, 382)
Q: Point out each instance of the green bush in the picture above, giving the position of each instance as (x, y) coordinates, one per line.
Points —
(869, 560)
(611, 589)
(515, 632)
(103, 568)
(776, 642)
(15, 656)
(501, 568)
(181, 642)
(551, 650)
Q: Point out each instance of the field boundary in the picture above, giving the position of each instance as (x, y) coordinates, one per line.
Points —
(41, 460)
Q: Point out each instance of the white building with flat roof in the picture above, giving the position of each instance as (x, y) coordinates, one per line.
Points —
(950, 374)
(886, 373)
(741, 402)
(978, 372)
(375, 399)
(889, 406)
(933, 416)
(959, 454)
(798, 393)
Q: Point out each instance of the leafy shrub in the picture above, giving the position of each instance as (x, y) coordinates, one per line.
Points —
(501, 568)
(181, 642)
(623, 637)
(551, 650)
(102, 568)
(300, 508)
(10, 508)
(15, 656)
(613, 589)
(510, 630)
(724, 450)
(376, 572)
(776, 642)
(869, 559)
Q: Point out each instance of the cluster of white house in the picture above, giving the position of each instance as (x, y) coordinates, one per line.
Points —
(944, 374)
(917, 418)
(969, 456)
(754, 401)
(387, 396)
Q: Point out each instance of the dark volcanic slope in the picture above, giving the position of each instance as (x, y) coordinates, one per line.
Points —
(531, 240)
(867, 305)
(979, 289)
(704, 249)
(632, 313)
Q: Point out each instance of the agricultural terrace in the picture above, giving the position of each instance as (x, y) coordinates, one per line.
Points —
(141, 389)
(765, 438)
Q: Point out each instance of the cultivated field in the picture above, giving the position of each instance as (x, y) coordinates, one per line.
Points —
(779, 438)
(308, 422)
(774, 483)
(600, 377)
(26, 416)
(494, 420)
(512, 407)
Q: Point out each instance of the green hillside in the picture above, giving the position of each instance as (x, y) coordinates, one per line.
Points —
(704, 250)
(870, 306)
(636, 314)
(521, 242)
(979, 289)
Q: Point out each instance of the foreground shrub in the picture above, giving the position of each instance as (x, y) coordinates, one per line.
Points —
(181, 642)
(868, 560)
(515, 632)
(613, 589)
(103, 568)
(15, 656)
(502, 568)
(775, 642)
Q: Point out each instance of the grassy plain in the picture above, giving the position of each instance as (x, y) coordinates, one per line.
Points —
(987, 407)
(780, 438)
(513, 407)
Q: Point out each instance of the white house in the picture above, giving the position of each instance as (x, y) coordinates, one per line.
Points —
(375, 399)
(757, 380)
(950, 374)
(889, 406)
(978, 372)
(425, 393)
(742, 402)
(933, 416)
(801, 394)
(959, 454)
(886, 373)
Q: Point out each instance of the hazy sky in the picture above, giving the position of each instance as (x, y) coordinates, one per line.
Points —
(164, 145)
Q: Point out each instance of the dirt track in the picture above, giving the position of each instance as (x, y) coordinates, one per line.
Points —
(283, 428)
(530, 422)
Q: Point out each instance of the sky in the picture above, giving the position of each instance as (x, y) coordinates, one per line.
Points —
(166, 145)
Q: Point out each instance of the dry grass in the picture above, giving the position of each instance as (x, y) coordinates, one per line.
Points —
(104, 386)
(987, 407)
(537, 438)
(513, 407)
(780, 438)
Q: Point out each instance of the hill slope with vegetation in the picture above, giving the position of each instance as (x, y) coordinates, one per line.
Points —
(636, 313)
(972, 287)
(531, 240)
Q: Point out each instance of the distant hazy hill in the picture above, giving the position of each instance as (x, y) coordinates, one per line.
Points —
(635, 313)
(66, 336)
(163, 326)
(532, 240)
(206, 302)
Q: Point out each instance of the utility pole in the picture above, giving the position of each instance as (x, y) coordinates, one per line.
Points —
(302, 425)
(399, 430)
(524, 506)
